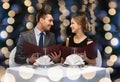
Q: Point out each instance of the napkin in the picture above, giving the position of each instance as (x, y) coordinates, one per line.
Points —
(74, 59)
(43, 60)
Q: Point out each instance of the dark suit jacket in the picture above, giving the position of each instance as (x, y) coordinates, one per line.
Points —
(29, 36)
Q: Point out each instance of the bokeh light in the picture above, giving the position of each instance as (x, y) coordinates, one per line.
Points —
(55, 74)
(89, 76)
(114, 41)
(110, 63)
(26, 73)
(112, 11)
(11, 13)
(107, 27)
(113, 58)
(105, 80)
(73, 73)
(112, 4)
(4, 50)
(3, 34)
(42, 79)
(29, 25)
(6, 5)
(108, 49)
(11, 20)
(9, 78)
(108, 35)
(9, 42)
(31, 9)
(27, 3)
(9, 29)
(106, 20)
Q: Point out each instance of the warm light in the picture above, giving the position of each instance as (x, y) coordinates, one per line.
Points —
(108, 35)
(42, 79)
(6, 54)
(106, 20)
(6, 5)
(61, 17)
(74, 8)
(110, 63)
(9, 29)
(112, 4)
(105, 79)
(9, 42)
(112, 11)
(107, 27)
(41, 1)
(110, 70)
(113, 58)
(66, 22)
(7, 61)
(5, 0)
(31, 18)
(38, 6)
(62, 8)
(4, 34)
(2, 72)
(73, 73)
(89, 76)
(11, 20)
(65, 12)
(114, 41)
(61, 2)
(108, 49)
(55, 74)
(11, 13)
(9, 78)
(26, 73)
(31, 9)
(4, 50)
(27, 3)
(29, 25)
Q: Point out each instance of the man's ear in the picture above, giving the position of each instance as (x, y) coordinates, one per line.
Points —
(41, 20)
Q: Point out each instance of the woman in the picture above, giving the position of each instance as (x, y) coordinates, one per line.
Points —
(79, 25)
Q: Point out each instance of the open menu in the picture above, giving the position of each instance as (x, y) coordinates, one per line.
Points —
(91, 50)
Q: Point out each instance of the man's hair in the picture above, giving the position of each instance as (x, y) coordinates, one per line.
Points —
(41, 13)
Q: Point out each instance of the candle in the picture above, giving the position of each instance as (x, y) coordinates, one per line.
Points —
(67, 42)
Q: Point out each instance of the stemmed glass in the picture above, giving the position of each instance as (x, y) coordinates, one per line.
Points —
(74, 50)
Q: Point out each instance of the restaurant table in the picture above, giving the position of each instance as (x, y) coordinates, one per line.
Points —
(57, 73)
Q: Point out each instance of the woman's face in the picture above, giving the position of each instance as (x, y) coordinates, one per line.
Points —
(75, 27)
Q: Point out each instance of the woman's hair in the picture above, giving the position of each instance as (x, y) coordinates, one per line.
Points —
(82, 20)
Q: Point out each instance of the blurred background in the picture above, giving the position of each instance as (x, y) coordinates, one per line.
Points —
(104, 17)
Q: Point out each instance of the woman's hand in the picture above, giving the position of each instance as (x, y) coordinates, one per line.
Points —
(88, 60)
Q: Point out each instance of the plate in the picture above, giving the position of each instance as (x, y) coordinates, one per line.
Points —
(43, 66)
(67, 65)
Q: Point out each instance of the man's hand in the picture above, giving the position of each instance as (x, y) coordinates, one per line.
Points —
(55, 57)
(32, 58)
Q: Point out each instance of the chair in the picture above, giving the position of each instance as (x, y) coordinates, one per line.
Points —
(98, 59)
(11, 58)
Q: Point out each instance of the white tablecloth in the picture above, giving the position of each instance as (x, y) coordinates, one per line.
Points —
(57, 74)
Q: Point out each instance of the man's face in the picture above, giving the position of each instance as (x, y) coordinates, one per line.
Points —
(47, 22)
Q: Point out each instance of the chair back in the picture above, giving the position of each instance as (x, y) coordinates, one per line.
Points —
(11, 58)
(98, 59)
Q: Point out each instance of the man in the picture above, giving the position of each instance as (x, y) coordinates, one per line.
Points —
(44, 21)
